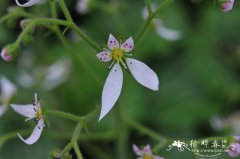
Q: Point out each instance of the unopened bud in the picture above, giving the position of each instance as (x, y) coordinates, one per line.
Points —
(28, 39)
(10, 52)
(25, 23)
(225, 5)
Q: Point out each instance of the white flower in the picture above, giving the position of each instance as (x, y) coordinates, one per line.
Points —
(82, 6)
(8, 90)
(230, 122)
(57, 73)
(29, 3)
(31, 111)
(161, 29)
(48, 77)
(113, 85)
(145, 153)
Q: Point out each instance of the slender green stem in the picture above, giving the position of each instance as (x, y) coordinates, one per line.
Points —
(77, 151)
(53, 9)
(43, 21)
(122, 133)
(150, 18)
(76, 132)
(75, 28)
(65, 10)
(16, 14)
(74, 140)
(85, 38)
(66, 149)
(143, 29)
(162, 6)
(149, 8)
(144, 130)
(64, 115)
(93, 136)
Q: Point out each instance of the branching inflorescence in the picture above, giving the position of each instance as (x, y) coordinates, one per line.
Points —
(118, 53)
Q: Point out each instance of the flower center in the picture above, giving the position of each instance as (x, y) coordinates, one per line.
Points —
(38, 114)
(147, 157)
(117, 55)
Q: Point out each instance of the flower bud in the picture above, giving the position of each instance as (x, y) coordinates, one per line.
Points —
(24, 23)
(225, 5)
(10, 52)
(28, 39)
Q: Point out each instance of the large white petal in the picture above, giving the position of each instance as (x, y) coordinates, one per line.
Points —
(112, 42)
(25, 110)
(8, 88)
(143, 74)
(128, 45)
(3, 109)
(37, 131)
(104, 56)
(28, 4)
(112, 89)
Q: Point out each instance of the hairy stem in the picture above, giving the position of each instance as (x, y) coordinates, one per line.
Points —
(64, 115)
(75, 28)
(150, 17)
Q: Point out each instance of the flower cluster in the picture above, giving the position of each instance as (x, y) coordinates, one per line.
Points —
(119, 54)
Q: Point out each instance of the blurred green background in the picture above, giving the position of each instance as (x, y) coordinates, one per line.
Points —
(199, 76)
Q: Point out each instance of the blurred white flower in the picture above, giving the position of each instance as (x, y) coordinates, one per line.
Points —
(113, 85)
(29, 3)
(82, 6)
(145, 153)
(48, 77)
(31, 111)
(232, 122)
(8, 90)
(56, 74)
(26, 80)
(161, 29)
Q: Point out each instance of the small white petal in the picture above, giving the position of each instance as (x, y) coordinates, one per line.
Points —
(3, 109)
(112, 89)
(8, 88)
(137, 150)
(104, 56)
(28, 4)
(25, 110)
(128, 45)
(143, 74)
(37, 131)
(147, 150)
(112, 42)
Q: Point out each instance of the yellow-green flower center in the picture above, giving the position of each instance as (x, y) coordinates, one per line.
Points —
(147, 157)
(117, 55)
(38, 114)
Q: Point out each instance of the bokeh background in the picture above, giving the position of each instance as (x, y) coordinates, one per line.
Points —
(199, 91)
